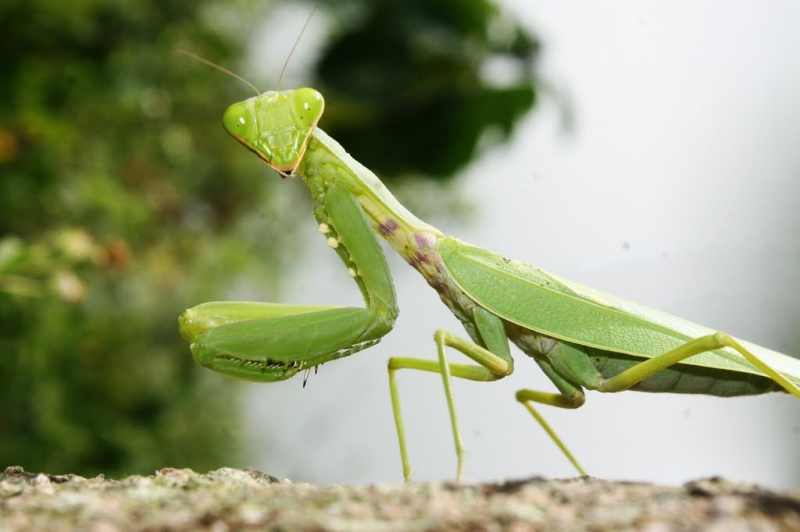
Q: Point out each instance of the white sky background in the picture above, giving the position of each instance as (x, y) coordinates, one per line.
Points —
(678, 188)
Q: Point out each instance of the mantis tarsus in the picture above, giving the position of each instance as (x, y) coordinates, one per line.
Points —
(581, 338)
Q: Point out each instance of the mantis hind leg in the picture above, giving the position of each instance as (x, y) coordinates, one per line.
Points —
(526, 397)
(493, 362)
(571, 396)
(704, 344)
(568, 367)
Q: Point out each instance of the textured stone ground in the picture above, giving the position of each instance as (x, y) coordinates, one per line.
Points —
(232, 499)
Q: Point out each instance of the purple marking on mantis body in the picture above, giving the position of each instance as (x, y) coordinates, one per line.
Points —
(418, 260)
(438, 284)
(421, 254)
(424, 244)
(388, 227)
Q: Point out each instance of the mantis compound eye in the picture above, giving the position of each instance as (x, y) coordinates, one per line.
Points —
(239, 121)
(307, 106)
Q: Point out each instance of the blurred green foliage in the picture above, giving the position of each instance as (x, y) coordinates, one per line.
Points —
(118, 208)
(437, 77)
(122, 201)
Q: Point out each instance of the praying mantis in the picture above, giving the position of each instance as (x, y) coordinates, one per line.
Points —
(581, 338)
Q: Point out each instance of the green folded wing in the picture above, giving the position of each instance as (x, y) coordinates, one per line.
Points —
(546, 303)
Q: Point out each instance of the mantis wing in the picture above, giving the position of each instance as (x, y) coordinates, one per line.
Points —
(566, 310)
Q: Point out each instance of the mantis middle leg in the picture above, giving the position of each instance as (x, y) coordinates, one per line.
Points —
(493, 362)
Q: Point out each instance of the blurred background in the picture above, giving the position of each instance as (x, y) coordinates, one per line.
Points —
(644, 149)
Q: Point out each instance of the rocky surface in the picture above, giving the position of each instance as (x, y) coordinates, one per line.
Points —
(233, 499)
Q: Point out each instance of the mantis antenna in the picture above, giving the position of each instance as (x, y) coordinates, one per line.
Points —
(221, 69)
(294, 46)
(240, 78)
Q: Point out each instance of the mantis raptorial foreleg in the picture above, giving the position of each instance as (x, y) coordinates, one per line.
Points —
(230, 337)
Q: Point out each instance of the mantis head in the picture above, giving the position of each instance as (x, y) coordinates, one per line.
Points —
(276, 125)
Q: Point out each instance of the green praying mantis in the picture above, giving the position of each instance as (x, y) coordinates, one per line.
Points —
(581, 338)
